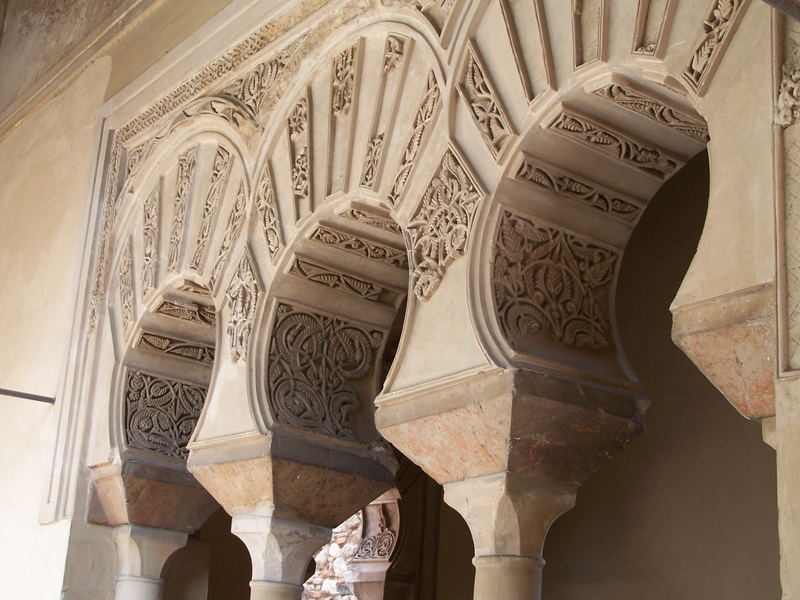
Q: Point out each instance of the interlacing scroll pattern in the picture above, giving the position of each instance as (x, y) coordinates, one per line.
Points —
(722, 18)
(125, 279)
(150, 234)
(422, 120)
(655, 110)
(187, 162)
(219, 180)
(160, 414)
(535, 173)
(268, 209)
(551, 281)
(438, 231)
(484, 104)
(615, 144)
(379, 545)
(243, 293)
(314, 359)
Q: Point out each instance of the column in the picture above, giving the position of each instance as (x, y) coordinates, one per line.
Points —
(142, 552)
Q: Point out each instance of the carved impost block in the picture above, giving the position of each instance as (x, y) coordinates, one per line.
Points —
(731, 339)
(297, 477)
(139, 493)
(497, 421)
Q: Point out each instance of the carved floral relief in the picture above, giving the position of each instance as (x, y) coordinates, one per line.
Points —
(243, 293)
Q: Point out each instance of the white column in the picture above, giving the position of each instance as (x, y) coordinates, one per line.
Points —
(141, 553)
(280, 550)
(509, 515)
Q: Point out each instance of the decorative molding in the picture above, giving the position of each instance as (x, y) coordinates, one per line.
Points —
(549, 280)
(544, 176)
(721, 20)
(422, 120)
(150, 235)
(334, 279)
(588, 31)
(232, 228)
(242, 294)
(194, 313)
(483, 102)
(161, 414)
(219, 180)
(191, 350)
(653, 18)
(187, 163)
(372, 218)
(614, 144)
(655, 110)
(268, 210)
(314, 361)
(360, 246)
(440, 227)
(125, 278)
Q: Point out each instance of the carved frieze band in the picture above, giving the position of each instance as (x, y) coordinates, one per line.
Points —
(334, 279)
(372, 218)
(544, 176)
(268, 211)
(160, 414)
(219, 180)
(440, 227)
(314, 361)
(548, 280)
(655, 110)
(194, 313)
(150, 235)
(169, 345)
(361, 246)
(422, 121)
(187, 162)
(721, 20)
(483, 102)
(614, 144)
(243, 293)
(232, 228)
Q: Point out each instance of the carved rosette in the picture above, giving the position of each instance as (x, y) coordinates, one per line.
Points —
(243, 293)
(160, 414)
(439, 229)
(314, 361)
(548, 280)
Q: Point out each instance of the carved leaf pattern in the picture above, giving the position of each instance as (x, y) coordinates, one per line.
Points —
(313, 361)
(235, 221)
(369, 173)
(161, 414)
(483, 105)
(655, 111)
(567, 186)
(150, 234)
(422, 120)
(191, 350)
(548, 280)
(336, 280)
(379, 221)
(361, 246)
(439, 229)
(268, 209)
(125, 277)
(593, 135)
(194, 313)
(393, 53)
(243, 293)
(343, 81)
(219, 179)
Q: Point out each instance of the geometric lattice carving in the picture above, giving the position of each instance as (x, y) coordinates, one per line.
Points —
(533, 172)
(422, 120)
(438, 231)
(551, 281)
(191, 350)
(720, 21)
(160, 414)
(484, 105)
(314, 359)
(617, 145)
(654, 110)
(242, 293)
